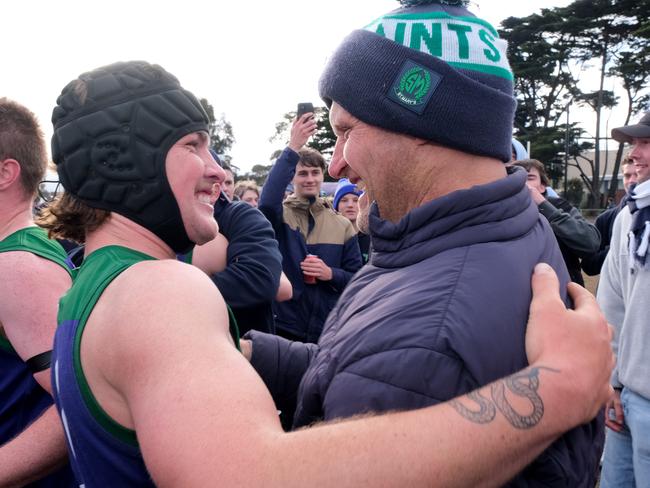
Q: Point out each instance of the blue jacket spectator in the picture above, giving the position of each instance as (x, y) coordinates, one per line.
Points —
(307, 225)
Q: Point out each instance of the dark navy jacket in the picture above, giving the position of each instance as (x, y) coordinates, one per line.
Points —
(307, 227)
(254, 264)
(440, 310)
(604, 223)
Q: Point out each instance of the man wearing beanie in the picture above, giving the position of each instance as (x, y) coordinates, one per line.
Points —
(623, 296)
(320, 250)
(417, 98)
(346, 202)
(148, 379)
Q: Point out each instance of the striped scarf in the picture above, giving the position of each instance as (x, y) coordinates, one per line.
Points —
(639, 234)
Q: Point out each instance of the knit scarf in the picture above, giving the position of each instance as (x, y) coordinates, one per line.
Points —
(639, 234)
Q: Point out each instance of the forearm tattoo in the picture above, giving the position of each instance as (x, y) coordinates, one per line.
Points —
(486, 412)
(524, 384)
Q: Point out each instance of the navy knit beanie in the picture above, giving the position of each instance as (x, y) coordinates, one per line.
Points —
(430, 69)
(343, 188)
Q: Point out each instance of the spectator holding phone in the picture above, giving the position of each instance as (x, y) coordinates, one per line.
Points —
(306, 225)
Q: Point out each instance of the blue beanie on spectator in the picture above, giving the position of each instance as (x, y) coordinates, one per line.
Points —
(343, 188)
(430, 69)
(519, 150)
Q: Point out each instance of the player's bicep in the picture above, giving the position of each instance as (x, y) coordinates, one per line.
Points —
(192, 396)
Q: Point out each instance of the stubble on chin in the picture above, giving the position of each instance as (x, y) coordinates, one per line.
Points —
(363, 221)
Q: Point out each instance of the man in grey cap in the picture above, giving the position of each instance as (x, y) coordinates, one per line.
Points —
(623, 296)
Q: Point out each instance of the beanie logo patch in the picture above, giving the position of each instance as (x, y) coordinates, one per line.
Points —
(414, 86)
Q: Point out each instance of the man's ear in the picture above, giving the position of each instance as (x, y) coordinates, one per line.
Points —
(9, 172)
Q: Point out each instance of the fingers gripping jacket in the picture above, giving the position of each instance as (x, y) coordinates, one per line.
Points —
(110, 149)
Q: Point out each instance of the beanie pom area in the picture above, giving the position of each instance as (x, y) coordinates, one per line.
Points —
(417, 3)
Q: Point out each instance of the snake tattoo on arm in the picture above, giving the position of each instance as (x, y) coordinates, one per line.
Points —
(524, 384)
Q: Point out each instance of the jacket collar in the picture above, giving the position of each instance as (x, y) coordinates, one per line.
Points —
(497, 211)
(315, 204)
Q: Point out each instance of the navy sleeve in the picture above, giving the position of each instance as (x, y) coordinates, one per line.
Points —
(252, 275)
(279, 177)
(593, 264)
(571, 229)
(281, 364)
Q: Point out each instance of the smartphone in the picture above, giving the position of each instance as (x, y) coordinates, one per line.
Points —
(304, 108)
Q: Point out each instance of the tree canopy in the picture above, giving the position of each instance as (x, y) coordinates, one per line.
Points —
(550, 53)
(221, 134)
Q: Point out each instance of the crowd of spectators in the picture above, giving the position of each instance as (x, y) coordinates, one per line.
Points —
(163, 323)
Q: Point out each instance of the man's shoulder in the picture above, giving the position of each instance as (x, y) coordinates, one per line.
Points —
(150, 290)
(337, 224)
(608, 215)
(25, 265)
(622, 222)
(161, 274)
(333, 214)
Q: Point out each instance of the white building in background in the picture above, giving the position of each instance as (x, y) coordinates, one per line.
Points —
(607, 161)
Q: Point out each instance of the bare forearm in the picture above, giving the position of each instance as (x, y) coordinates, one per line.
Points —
(36, 452)
(456, 444)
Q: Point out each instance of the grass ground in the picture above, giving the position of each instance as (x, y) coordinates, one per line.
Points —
(591, 283)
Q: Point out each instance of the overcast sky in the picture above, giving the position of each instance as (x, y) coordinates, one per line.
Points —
(252, 60)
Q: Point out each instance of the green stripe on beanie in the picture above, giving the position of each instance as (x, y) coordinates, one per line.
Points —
(466, 42)
(432, 71)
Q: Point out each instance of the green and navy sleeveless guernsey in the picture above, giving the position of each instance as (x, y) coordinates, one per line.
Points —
(102, 452)
(22, 400)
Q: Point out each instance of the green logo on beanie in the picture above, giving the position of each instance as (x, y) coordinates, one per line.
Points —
(414, 86)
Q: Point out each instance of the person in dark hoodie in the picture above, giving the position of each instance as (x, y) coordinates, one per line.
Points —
(421, 101)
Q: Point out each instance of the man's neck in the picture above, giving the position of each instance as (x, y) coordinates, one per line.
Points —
(438, 171)
(18, 216)
(120, 231)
